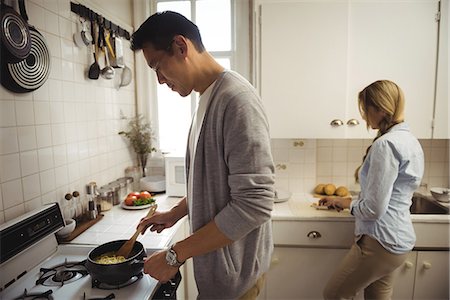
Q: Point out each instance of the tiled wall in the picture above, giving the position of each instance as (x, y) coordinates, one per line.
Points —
(301, 164)
(63, 135)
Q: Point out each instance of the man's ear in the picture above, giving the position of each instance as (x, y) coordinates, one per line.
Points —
(180, 43)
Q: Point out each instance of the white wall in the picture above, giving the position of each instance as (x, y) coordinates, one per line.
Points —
(63, 135)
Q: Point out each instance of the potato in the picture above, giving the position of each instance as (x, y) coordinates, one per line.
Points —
(319, 189)
(341, 191)
(329, 189)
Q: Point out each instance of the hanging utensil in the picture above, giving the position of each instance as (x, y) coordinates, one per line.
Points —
(15, 34)
(82, 38)
(94, 69)
(126, 248)
(30, 73)
(107, 72)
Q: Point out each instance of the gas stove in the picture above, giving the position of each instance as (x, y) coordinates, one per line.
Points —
(35, 266)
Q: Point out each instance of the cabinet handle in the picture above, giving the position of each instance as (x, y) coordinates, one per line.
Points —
(314, 235)
(352, 122)
(426, 265)
(336, 122)
(408, 265)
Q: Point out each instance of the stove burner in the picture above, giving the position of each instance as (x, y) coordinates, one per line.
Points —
(105, 286)
(66, 272)
(44, 295)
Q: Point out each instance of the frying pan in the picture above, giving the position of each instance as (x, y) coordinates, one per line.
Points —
(115, 274)
(15, 35)
(30, 73)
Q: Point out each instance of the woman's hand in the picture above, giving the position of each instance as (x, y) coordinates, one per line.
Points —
(338, 203)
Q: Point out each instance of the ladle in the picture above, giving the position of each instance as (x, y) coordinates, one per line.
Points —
(108, 72)
(126, 248)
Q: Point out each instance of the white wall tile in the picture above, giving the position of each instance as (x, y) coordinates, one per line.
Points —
(54, 45)
(47, 179)
(45, 156)
(57, 112)
(33, 204)
(7, 114)
(24, 113)
(29, 163)
(58, 134)
(36, 15)
(42, 93)
(51, 21)
(10, 143)
(42, 112)
(10, 167)
(44, 136)
(60, 155)
(14, 212)
(31, 187)
(65, 28)
(12, 193)
(61, 176)
(27, 138)
(55, 90)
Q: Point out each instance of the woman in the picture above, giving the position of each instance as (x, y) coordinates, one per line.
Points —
(390, 173)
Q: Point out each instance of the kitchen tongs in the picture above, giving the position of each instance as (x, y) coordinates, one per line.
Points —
(126, 248)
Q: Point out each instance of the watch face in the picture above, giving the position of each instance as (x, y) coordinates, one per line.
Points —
(171, 258)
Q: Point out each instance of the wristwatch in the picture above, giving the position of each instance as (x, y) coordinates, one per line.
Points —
(172, 259)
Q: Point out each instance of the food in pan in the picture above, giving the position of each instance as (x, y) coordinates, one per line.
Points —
(109, 259)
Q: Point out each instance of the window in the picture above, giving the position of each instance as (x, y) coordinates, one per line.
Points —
(214, 19)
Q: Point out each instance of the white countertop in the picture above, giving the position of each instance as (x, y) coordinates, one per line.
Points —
(298, 208)
(119, 223)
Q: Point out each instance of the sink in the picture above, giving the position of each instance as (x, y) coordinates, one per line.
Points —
(427, 205)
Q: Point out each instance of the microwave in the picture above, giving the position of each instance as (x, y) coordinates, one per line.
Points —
(175, 176)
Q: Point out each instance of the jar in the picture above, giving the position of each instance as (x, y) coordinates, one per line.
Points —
(135, 173)
(122, 188)
(127, 184)
(115, 188)
(105, 198)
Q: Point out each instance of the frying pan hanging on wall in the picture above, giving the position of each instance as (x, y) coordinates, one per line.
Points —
(31, 72)
(15, 35)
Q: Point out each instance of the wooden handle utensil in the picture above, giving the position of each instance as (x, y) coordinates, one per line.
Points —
(126, 248)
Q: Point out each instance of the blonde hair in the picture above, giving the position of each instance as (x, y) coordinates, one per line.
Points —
(385, 96)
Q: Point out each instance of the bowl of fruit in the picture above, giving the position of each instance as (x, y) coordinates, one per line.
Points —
(138, 200)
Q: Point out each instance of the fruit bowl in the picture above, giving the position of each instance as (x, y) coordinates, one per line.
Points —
(440, 194)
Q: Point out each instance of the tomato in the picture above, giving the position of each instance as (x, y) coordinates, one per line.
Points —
(130, 200)
(136, 194)
(145, 195)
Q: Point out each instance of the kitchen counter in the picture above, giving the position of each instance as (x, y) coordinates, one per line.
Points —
(298, 208)
(119, 223)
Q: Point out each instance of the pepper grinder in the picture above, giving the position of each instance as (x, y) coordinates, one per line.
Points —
(91, 191)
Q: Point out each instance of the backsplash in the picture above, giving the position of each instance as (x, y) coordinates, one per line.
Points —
(65, 134)
(301, 164)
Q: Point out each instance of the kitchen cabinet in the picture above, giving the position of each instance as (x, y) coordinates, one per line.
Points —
(307, 251)
(424, 275)
(309, 80)
(305, 255)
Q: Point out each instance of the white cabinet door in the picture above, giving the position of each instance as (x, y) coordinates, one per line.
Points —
(432, 275)
(315, 56)
(300, 273)
(404, 282)
(395, 40)
(303, 59)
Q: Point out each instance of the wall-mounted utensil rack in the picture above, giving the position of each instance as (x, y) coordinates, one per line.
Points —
(91, 15)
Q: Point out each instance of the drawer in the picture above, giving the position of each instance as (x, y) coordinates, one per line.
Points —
(313, 234)
(432, 235)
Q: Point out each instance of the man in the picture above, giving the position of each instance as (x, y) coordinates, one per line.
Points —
(229, 167)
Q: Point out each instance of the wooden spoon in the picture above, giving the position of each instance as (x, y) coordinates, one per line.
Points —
(126, 248)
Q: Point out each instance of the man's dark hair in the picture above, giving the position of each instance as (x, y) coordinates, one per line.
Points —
(160, 28)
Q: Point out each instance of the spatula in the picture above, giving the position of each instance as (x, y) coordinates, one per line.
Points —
(126, 248)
